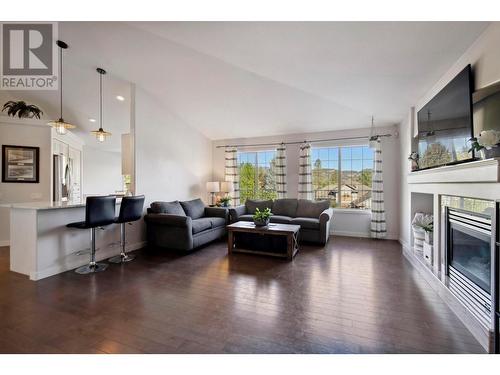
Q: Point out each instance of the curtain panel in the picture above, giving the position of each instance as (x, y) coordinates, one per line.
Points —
(280, 171)
(378, 225)
(305, 190)
(231, 173)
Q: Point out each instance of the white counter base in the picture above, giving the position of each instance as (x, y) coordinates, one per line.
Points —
(41, 245)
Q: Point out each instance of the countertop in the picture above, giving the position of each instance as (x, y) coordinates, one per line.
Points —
(46, 205)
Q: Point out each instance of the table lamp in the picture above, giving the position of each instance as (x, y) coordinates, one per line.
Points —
(212, 188)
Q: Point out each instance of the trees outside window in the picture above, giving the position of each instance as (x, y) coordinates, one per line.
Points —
(343, 175)
(257, 175)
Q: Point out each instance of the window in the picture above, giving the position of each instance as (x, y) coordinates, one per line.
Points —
(257, 179)
(343, 175)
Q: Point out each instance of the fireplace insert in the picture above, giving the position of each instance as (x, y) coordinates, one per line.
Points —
(469, 257)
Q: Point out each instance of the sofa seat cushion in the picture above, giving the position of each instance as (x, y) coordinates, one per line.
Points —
(251, 205)
(199, 225)
(217, 221)
(306, 222)
(281, 219)
(245, 217)
(285, 207)
(172, 208)
(194, 208)
(313, 209)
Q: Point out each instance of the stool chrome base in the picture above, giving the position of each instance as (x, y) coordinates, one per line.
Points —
(122, 258)
(91, 268)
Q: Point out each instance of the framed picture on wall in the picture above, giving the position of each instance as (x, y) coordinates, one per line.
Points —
(20, 164)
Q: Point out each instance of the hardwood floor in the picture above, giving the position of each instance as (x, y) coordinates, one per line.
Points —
(354, 296)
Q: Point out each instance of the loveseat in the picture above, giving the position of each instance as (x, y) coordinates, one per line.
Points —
(314, 217)
(184, 225)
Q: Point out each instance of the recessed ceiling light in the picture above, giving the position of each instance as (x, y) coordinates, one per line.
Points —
(120, 98)
(92, 119)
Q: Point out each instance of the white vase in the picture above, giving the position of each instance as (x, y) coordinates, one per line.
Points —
(429, 238)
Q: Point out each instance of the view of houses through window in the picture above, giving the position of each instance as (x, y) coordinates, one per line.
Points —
(342, 175)
(257, 175)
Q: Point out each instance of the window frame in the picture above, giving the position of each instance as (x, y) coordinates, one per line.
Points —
(339, 147)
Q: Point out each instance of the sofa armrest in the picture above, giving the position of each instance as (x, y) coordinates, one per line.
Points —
(169, 220)
(236, 212)
(217, 212)
(326, 215)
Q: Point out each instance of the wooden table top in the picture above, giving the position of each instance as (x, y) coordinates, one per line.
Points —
(248, 226)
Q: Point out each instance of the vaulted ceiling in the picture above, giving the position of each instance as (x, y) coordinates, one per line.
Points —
(243, 79)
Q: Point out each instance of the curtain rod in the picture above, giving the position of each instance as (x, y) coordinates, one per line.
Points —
(300, 142)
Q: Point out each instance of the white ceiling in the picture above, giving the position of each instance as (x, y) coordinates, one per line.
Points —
(81, 102)
(243, 79)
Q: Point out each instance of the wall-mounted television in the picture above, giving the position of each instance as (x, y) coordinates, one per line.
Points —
(445, 124)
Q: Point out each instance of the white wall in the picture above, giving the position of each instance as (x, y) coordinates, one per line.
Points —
(346, 223)
(484, 56)
(102, 172)
(173, 161)
(24, 133)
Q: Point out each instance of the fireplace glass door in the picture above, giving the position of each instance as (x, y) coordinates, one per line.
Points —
(470, 254)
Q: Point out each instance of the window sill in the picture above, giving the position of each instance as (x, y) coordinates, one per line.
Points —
(353, 211)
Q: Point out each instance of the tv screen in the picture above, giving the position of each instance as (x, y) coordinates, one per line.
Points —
(445, 124)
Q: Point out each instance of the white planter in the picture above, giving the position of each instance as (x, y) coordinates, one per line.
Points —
(429, 238)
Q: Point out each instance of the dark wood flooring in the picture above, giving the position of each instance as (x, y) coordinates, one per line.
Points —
(353, 296)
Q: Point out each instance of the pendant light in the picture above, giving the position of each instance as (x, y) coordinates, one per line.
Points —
(60, 125)
(100, 133)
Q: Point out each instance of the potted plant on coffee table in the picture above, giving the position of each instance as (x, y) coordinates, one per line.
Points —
(261, 218)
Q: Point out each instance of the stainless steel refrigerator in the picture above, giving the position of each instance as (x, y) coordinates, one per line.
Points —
(62, 178)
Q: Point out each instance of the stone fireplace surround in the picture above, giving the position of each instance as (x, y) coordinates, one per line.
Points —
(479, 180)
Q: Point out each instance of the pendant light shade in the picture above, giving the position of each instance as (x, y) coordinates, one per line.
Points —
(100, 133)
(60, 125)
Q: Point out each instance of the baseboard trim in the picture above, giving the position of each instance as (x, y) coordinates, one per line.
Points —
(100, 256)
(481, 334)
(361, 235)
(4, 243)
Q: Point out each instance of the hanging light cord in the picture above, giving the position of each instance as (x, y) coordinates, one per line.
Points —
(100, 101)
(61, 82)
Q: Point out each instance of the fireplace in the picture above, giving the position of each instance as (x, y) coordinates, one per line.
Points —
(469, 253)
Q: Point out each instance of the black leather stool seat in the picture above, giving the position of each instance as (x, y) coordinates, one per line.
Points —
(130, 210)
(99, 211)
(79, 225)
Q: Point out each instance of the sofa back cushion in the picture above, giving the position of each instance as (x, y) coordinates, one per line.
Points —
(194, 208)
(172, 208)
(251, 205)
(285, 207)
(313, 209)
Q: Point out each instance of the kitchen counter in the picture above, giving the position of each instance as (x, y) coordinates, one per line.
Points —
(44, 205)
(41, 245)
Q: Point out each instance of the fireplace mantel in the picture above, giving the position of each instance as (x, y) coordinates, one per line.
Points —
(476, 171)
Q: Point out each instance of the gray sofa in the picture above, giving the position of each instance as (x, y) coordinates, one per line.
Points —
(314, 217)
(184, 225)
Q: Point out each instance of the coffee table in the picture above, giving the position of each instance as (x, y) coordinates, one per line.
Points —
(288, 232)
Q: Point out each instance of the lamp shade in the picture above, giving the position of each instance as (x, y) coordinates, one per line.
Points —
(227, 186)
(213, 187)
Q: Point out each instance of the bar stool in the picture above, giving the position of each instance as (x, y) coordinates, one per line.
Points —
(99, 211)
(130, 210)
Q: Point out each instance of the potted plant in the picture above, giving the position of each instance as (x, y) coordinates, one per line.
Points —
(22, 109)
(261, 218)
(224, 202)
(486, 143)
